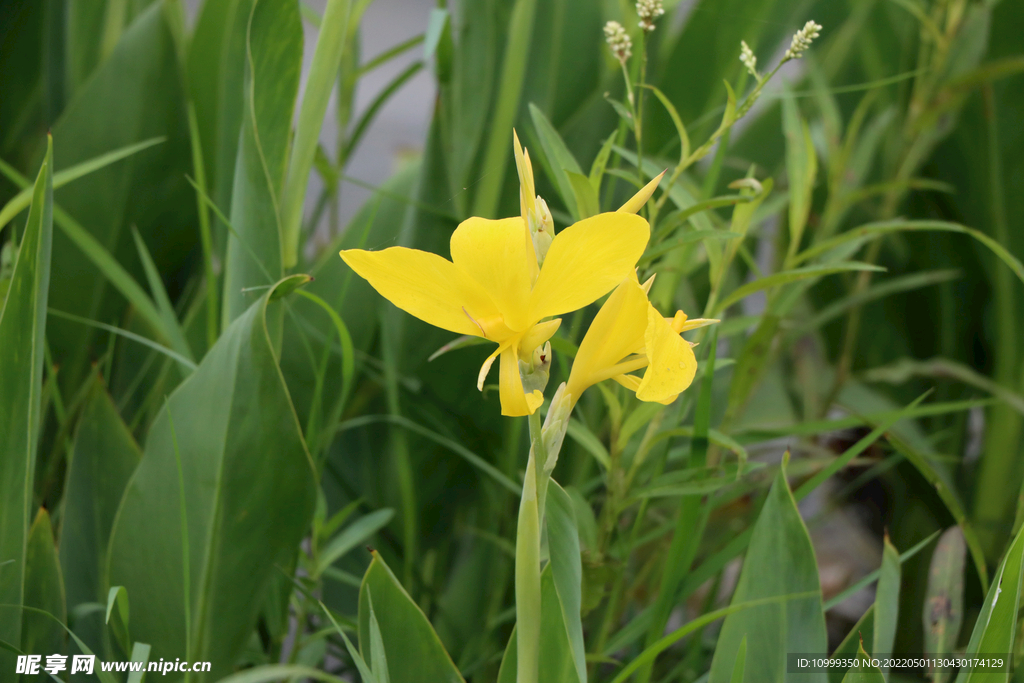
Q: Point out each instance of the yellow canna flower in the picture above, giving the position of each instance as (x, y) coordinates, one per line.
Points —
(493, 287)
(628, 334)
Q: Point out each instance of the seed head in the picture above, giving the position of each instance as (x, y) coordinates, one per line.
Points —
(802, 40)
(618, 40)
(649, 10)
(749, 59)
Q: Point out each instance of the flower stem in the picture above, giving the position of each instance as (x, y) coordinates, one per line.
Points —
(528, 599)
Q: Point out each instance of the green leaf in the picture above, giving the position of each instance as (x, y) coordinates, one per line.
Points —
(216, 63)
(104, 457)
(887, 601)
(274, 52)
(21, 201)
(801, 167)
(566, 570)
(171, 327)
(741, 662)
(134, 95)
(944, 602)
(873, 231)
(44, 590)
(863, 673)
(22, 336)
(947, 492)
(378, 657)
(600, 163)
(228, 425)
(787, 276)
(436, 24)
(587, 204)
(780, 561)
(323, 71)
(355, 534)
(560, 160)
(996, 627)
(590, 443)
(513, 72)
(118, 597)
(140, 653)
(864, 628)
(404, 629)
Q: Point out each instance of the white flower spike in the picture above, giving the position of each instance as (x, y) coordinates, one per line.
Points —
(802, 40)
(618, 40)
(649, 10)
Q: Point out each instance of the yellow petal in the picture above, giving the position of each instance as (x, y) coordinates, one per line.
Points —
(617, 330)
(672, 363)
(538, 334)
(485, 368)
(497, 256)
(586, 260)
(631, 382)
(426, 286)
(514, 401)
(637, 201)
(526, 192)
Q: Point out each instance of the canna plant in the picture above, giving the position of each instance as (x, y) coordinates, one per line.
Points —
(506, 277)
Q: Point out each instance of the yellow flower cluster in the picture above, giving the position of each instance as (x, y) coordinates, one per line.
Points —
(508, 279)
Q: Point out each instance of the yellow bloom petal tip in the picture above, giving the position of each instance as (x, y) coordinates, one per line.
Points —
(637, 201)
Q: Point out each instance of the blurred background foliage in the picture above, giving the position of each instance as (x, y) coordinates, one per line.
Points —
(315, 422)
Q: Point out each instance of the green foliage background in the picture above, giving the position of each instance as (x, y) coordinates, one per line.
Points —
(198, 439)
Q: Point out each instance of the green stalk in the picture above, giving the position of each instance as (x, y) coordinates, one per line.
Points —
(998, 472)
(528, 599)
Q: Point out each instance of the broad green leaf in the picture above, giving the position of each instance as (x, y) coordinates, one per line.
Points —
(216, 63)
(44, 590)
(22, 335)
(206, 457)
(566, 570)
(419, 655)
(887, 601)
(863, 673)
(996, 626)
(274, 53)
(780, 561)
(134, 95)
(104, 457)
(944, 604)
(559, 159)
